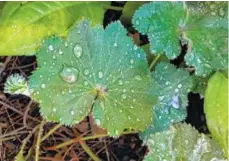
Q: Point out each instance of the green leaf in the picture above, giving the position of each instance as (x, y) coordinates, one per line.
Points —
(94, 70)
(206, 31)
(182, 143)
(23, 25)
(216, 109)
(200, 26)
(200, 85)
(128, 11)
(161, 22)
(174, 86)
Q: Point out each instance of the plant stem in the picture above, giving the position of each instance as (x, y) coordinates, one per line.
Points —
(51, 132)
(114, 8)
(75, 140)
(88, 150)
(37, 148)
(154, 62)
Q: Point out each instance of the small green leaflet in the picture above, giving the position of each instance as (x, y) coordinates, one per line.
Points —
(206, 31)
(129, 9)
(94, 70)
(182, 143)
(200, 84)
(203, 26)
(23, 25)
(161, 22)
(174, 86)
(216, 109)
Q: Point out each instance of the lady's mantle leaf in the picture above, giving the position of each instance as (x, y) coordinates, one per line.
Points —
(206, 31)
(216, 108)
(98, 69)
(175, 84)
(182, 142)
(23, 26)
(203, 26)
(161, 22)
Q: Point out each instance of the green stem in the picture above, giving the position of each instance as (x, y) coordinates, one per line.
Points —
(113, 8)
(154, 62)
(51, 132)
(37, 148)
(88, 150)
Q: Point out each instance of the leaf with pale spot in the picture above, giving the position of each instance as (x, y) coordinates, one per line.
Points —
(161, 22)
(94, 70)
(182, 142)
(174, 86)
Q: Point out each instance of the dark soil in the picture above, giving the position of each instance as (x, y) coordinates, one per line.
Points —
(19, 115)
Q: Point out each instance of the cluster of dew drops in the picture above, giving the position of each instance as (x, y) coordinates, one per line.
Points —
(71, 74)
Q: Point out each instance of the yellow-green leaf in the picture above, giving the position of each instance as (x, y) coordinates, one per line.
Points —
(216, 109)
(23, 25)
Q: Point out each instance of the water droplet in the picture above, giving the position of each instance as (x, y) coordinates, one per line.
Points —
(78, 50)
(131, 61)
(137, 22)
(42, 85)
(176, 90)
(115, 44)
(123, 96)
(72, 112)
(54, 109)
(221, 12)
(131, 106)
(186, 141)
(86, 72)
(69, 74)
(51, 48)
(61, 52)
(138, 119)
(138, 77)
(179, 85)
(120, 82)
(135, 47)
(100, 74)
(98, 122)
(213, 13)
(85, 83)
(167, 83)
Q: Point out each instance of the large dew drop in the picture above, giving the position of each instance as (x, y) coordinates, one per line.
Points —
(100, 74)
(78, 50)
(69, 74)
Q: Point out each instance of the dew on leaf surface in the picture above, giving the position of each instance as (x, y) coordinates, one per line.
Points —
(50, 47)
(179, 85)
(42, 85)
(69, 74)
(78, 50)
(123, 96)
(86, 72)
(100, 74)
